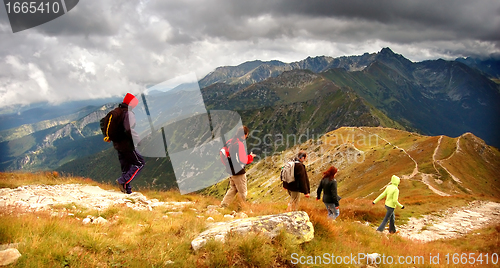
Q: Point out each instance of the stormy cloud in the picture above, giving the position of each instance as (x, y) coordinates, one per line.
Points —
(108, 48)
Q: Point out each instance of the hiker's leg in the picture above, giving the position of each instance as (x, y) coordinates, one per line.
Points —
(294, 200)
(136, 164)
(124, 165)
(392, 226)
(330, 207)
(240, 182)
(386, 218)
(230, 193)
(336, 212)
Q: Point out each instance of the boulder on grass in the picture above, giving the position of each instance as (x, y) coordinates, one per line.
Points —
(296, 224)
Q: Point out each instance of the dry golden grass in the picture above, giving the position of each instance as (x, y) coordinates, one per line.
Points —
(149, 239)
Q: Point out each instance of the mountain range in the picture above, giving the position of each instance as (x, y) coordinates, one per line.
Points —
(277, 100)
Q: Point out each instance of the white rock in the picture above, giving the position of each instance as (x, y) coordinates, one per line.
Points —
(87, 221)
(9, 256)
(100, 220)
(241, 215)
(296, 224)
(219, 238)
(372, 258)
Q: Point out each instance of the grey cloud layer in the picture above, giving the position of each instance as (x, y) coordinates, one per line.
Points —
(104, 48)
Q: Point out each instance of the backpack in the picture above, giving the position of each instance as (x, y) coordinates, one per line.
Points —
(112, 125)
(225, 158)
(287, 172)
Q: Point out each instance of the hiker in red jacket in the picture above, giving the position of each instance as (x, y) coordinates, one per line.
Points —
(130, 160)
(239, 158)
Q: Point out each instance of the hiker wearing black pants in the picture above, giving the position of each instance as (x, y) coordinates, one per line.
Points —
(130, 160)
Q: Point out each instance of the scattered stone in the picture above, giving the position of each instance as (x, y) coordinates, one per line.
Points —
(213, 212)
(241, 215)
(296, 224)
(229, 216)
(210, 219)
(100, 220)
(372, 258)
(9, 256)
(87, 221)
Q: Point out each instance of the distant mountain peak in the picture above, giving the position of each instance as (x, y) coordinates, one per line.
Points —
(387, 50)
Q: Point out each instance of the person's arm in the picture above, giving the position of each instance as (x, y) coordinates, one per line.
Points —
(244, 157)
(318, 192)
(129, 124)
(382, 195)
(396, 197)
(334, 194)
(306, 178)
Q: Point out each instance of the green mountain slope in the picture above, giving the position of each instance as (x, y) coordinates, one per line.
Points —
(368, 156)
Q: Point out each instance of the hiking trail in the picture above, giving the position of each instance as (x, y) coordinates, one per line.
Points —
(451, 223)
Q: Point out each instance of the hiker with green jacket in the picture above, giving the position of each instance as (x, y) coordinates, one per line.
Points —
(391, 195)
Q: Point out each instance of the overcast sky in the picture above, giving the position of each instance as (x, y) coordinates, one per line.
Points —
(107, 48)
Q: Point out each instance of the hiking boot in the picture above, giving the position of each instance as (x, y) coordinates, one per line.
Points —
(122, 187)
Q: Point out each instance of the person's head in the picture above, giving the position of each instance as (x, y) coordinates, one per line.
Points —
(302, 156)
(395, 180)
(242, 133)
(130, 100)
(330, 173)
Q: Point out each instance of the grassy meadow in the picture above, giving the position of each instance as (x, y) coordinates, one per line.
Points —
(158, 239)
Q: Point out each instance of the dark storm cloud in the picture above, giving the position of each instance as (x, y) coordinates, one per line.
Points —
(424, 19)
(103, 48)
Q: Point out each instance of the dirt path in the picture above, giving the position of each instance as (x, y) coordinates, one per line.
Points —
(452, 223)
(415, 170)
(439, 161)
(45, 197)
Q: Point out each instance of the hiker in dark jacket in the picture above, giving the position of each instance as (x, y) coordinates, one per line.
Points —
(239, 159)
(300, 184)
(130, 160)
(330, 197)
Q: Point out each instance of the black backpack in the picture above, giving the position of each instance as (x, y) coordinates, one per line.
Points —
(112, 125)
(225, 158)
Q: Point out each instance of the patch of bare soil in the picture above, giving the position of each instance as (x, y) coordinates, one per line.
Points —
(452, 223)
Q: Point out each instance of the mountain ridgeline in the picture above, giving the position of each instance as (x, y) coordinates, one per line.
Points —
(432, 97)
(286, 104)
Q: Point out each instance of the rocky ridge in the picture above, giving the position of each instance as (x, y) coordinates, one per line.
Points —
(31, 198)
